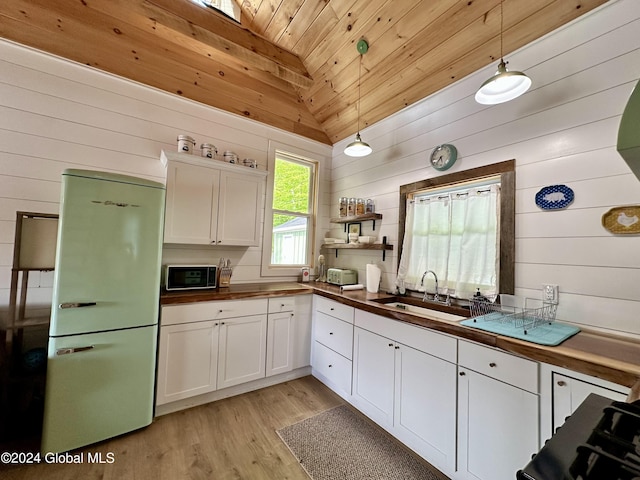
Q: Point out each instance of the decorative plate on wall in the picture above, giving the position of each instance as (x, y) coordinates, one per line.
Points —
(622, 220)
(554, 197)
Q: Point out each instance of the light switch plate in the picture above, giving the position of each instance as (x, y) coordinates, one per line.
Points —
(550, 293)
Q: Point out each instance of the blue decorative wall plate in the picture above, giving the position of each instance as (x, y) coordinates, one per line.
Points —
(554, 197)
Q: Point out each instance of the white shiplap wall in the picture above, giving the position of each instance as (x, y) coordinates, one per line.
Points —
(56, 114)
(563, 131)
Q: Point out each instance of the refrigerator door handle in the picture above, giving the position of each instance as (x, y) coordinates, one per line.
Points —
(77, 305)
(66, 351)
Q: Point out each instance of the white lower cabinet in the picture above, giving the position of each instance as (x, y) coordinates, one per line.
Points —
(563, 391)
(498, 413)
(407, 391)
(288, 334)
(187, 360)
(206, 346)
(332, 345)
(241, 350)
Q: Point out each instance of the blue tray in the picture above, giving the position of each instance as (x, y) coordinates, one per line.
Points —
(546, 334)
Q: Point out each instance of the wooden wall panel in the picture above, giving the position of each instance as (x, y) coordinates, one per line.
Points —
(562, 131)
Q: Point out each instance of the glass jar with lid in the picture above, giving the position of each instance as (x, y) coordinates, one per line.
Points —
(369, 206)
(351, 207)
(360, 206)
(343, 206)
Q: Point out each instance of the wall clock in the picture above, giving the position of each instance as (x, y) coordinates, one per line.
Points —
(443, 156)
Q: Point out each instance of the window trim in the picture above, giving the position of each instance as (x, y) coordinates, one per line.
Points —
(506, 170)
(267, 269)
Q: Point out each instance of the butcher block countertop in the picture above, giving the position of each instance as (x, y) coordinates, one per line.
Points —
(612, 358)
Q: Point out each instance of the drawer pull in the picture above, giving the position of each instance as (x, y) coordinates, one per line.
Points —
(462, 374)
(562, 383)
(330, 333)
(492, 365)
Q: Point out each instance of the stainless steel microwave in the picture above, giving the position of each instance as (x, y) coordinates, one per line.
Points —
(190, 277)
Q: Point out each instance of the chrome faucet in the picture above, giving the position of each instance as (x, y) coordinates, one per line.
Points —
(436, 297)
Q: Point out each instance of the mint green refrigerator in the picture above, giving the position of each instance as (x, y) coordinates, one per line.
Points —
(104, 318)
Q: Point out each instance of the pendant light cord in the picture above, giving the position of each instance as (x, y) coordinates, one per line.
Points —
(501, 29)
(359, 77)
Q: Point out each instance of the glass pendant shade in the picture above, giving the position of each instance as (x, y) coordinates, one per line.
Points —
(358, 148)
(503, 86)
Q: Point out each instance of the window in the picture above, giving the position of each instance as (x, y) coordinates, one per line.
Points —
(290, 214)
(461, 227)
(228, 7)
(454, 233)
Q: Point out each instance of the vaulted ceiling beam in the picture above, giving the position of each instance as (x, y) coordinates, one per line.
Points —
(194, 26)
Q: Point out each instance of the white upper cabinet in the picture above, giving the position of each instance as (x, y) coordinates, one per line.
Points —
(211, 202)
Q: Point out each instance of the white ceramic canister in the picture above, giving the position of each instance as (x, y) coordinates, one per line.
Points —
(249, 162)
(208, 150)
(230, 157)
(186, 144)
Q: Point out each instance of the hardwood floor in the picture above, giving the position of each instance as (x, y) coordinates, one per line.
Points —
(234, 438)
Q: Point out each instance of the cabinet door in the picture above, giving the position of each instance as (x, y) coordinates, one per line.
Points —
(279, 343)
(239, 209)
(373, 376)
(187, 360)
(425, 406)
(191, 209)
(569, 393)
(242, 350)
(498, 427)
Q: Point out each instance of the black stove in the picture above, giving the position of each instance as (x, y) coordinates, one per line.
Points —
(599, 441)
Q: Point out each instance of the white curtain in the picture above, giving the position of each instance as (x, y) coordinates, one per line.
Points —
(455, 235)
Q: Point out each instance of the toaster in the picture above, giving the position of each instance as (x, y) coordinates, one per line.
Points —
(340, 276)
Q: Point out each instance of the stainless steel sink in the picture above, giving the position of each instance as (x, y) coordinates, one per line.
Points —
(409, 305)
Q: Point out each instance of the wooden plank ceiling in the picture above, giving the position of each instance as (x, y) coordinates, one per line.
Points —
(292, 64)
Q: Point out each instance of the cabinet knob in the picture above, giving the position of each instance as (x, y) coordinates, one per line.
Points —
(397, 347)
(391, 344)
(562, 383)
(492, 365)
(221, 323)
(330, 365)
(331, 309)
(282, 305)
(220, 311)
(462, 374)
(330, 333)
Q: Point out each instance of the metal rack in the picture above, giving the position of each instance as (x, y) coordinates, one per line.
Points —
(519, 312)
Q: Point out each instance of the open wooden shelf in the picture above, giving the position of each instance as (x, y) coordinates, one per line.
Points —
(357, 218)
(358, 246)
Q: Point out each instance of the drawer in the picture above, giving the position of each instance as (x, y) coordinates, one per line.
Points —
(202, 311)
(427, 341)
(334, 333)
(333, 308)
(333, 366)
(282, 304)
(516, 371)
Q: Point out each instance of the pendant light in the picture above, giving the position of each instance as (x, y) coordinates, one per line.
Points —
(358, 148)
(505, 85)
